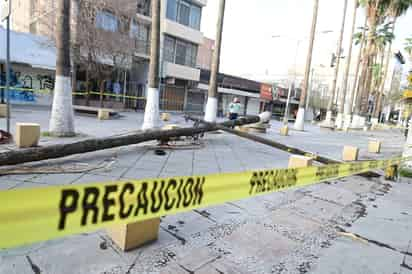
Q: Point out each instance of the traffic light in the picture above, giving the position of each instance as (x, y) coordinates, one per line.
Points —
(333, 61)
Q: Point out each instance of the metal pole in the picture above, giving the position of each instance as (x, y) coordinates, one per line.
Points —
(8, 73)
(310, 89)
(124, 88)
(286, 117)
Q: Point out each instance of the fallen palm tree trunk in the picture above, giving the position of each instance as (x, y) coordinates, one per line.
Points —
(283, 147)
(62, 150)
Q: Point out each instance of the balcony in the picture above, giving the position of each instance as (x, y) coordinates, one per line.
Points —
(201, 3)
(183, 32)
(181, 72)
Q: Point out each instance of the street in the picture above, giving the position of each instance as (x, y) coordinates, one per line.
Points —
(353, 225)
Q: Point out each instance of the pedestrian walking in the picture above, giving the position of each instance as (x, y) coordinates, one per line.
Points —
(234, 109)
(117, 89)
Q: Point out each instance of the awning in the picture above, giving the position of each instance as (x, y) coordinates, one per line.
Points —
(231, 91)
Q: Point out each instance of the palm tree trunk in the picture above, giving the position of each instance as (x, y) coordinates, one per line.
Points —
(385, 75)
(340, 118)
(211, 105)
(151, 115)
(371, 54)
(328, 120)
(62, 118)
(355, 94)
(300, 118)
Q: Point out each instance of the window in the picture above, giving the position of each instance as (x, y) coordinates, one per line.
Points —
(184, 12)
(180, 52)
(171, 12)
(195, 16)
(169, 49)
(107, 21)
(139, 31)
(33, 28)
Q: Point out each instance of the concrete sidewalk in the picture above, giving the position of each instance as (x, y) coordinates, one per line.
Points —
(334, 227)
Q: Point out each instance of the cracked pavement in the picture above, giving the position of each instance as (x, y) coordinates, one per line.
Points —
(352, 225)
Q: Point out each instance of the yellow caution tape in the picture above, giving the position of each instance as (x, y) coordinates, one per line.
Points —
(47, 91)
(39, 214)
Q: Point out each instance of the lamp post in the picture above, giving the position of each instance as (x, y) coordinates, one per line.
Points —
(292, 83)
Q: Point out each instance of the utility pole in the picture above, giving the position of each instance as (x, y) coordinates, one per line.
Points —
(211, 105)
(151, 114)
(340, 119)
(357, 88)
(62, 117)
(300, 119)
(8, 70)
(328, 120)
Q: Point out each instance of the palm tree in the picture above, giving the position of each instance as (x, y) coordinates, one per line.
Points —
(339, 120)
(396, 9)
(151, 114)
(62, 117)
(375, 12)
(328, 120)
(211, 105)
(300, 118)
(382, 38)
(354, 95)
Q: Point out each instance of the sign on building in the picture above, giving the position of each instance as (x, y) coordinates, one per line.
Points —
(266, 92)
(5, 9)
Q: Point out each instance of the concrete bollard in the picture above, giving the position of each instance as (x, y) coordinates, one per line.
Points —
(171, 127)
(27, 135)
(297, 161)
(3, 110)
(374, 146)
(350, 153)
(284, 131)
(391, 173)
(407, 151)
(134, 235)
(165, 117)
(103, 114)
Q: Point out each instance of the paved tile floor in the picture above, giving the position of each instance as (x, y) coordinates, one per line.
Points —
(334, 227)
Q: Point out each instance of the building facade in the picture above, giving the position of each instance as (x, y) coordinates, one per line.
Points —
(123, 27)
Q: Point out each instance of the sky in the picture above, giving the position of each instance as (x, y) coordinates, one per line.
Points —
(249, 49)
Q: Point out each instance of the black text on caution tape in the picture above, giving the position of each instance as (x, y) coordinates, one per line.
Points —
(267, 181)
(120, 202)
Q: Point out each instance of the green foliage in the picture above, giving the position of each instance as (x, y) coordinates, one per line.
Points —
(382, 36)
(408, 46)
(406, 173)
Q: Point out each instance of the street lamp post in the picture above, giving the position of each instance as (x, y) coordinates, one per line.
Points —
(293, 82)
